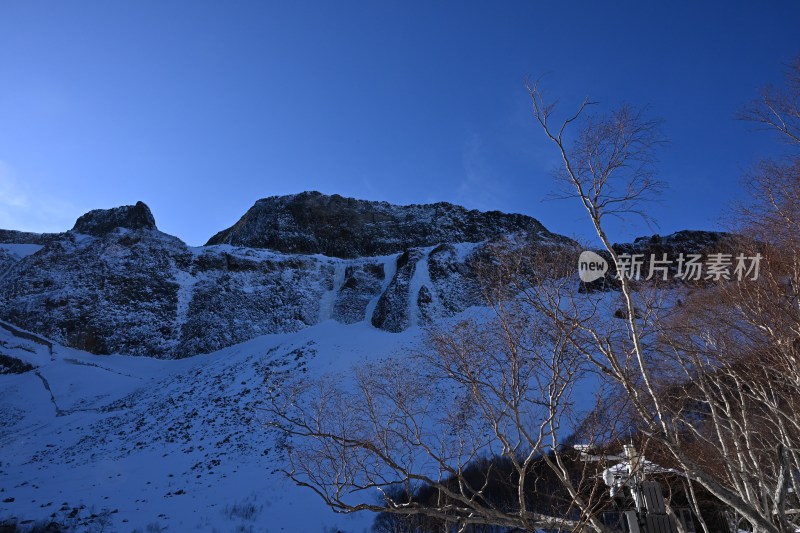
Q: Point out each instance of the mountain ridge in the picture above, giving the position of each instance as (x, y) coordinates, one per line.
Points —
(114, 283)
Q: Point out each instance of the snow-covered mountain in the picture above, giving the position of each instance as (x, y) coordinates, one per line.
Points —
(106, 423)
(115, 284)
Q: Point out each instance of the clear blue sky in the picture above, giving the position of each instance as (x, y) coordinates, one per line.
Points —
(201, 108)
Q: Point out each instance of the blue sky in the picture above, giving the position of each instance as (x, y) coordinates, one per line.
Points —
(200, 108)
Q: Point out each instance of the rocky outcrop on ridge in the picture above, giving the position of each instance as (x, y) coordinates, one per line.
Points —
(315, 223)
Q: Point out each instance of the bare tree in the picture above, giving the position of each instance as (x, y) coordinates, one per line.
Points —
(693, 375)
(705, 379)
(500, 388)
(778, 109)
(456, 433)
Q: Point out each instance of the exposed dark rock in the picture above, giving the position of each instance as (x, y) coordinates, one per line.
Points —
(311, 223)
(12, 365)
(362, 283)
(691, 240)
(9, 236)
(424, 301)
(7, 260)
(392, 311)
(102, 221)
(454, 281)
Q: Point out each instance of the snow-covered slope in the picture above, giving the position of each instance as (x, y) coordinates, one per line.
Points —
(181, 444)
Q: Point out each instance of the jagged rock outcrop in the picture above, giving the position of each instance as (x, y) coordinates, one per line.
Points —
(102, 221)
(315, 223)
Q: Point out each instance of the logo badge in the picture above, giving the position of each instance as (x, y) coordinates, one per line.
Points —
(591, 266)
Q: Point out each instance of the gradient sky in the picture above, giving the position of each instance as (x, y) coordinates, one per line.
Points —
(200, 108)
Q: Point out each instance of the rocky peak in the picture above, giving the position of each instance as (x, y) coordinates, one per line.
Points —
(99, 222)
(312, 222)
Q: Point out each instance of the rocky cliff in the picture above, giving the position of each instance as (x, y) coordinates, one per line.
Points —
(314, 223)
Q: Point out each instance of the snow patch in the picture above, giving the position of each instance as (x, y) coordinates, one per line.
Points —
(328, 299)
(21, 250)
(465, 249)
(186, 283)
